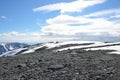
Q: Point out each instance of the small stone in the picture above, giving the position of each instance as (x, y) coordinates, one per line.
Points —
(55, 67)
(40, 60)
(20, 65)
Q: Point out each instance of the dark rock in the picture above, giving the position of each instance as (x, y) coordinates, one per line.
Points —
(67, 65)
(39, 60)
(20, 65)
(22, 77)
(55, 67)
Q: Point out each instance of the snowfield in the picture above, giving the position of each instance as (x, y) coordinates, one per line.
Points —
(99, 45)
(33, 49)
(52, 45)
(5, 47)
(12, 53)
(116, 48)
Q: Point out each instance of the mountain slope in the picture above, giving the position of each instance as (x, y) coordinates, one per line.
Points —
(63, 61)
(4, 47)
(86, 45)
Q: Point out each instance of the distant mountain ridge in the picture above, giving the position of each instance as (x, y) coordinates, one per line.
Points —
(21, 48)
(4, 47)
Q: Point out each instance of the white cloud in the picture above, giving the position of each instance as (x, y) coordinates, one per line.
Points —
(75, 6)
(66, 27)
(66, 19)
(105, 12)
(115, 33)
(29, 37)
(57, 30)
(11, 34)
(61, 25)
(19, 37)
(116, 16)
(3, 17)
(99, 28)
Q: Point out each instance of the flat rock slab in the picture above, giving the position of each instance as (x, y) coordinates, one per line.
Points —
(55, 67)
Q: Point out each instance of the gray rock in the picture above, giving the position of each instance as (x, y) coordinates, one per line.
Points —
(55, 67)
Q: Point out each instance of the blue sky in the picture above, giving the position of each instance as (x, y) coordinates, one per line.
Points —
(59, 20)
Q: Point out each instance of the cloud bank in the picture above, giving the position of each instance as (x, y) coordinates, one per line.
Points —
(103, 25)
(74, 6)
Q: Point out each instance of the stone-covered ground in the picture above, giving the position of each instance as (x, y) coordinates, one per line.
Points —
(74, 64)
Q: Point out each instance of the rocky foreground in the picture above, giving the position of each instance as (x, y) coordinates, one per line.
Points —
(71, 64)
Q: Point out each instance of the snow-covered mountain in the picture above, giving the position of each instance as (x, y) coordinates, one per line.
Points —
(62, 46)
(11, 49)
(5, 47)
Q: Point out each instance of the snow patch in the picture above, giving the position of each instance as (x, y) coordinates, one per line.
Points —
(33, 49)
(13, 52)
(116, 48)
(52, 45)
(99, 45)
